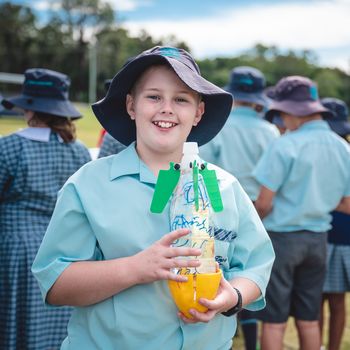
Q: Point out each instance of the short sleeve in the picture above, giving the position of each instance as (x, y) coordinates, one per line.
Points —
(273, 167)
(251, 254)
(68, 238)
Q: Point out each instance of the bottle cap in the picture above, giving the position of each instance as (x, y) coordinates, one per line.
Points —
(190, 148)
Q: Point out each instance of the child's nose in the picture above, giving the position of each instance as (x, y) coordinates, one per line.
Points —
(167, 107)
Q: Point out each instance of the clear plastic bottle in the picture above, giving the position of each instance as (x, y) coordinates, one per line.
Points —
(190, 208)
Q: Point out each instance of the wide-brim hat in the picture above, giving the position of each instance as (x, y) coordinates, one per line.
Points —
(342, 128)
(111, 110)
(297, 96)
(247, 84)
(339, 124)
(44, 91)
(257, 97)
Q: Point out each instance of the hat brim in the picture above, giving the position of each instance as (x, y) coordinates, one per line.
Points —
(60, 108)
(257, 97)
(297, 108)
(113, 116)
(341, 127)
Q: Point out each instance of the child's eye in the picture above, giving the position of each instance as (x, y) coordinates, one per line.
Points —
(181, 99)
(154, 97)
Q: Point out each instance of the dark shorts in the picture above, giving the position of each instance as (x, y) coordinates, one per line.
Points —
(295, 287)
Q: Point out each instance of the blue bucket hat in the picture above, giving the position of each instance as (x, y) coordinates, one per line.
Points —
(247, 84)
(107, 84)
(296, 95)
(111, 110)
(339, 123)
(44, 91)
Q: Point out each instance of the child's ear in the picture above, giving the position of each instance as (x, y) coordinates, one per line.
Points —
(199, 113)
(130, 106)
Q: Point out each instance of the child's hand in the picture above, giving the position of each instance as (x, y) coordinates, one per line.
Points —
(224, 300)
(155, 262)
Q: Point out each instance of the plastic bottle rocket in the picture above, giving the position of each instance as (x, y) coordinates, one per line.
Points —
(190, 208)
(194, 195)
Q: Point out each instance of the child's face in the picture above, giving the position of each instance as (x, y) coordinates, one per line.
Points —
(291, 122)
(164, 110)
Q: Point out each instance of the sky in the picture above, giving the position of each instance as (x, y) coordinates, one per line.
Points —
(213, 28)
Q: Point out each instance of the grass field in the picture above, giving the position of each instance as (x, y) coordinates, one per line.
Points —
(88, 130)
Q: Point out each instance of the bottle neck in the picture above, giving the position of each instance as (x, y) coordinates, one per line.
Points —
(188, 159)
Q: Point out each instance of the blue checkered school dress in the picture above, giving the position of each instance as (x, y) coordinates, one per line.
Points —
(338, 255)
(31, 173)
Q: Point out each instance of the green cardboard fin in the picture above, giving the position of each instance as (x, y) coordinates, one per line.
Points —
(212, 186)
(195, 184)
(166, 183)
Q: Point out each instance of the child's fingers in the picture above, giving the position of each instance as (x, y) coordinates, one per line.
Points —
(177, 278)
(186, 319)
(202, 316)
(169, 238)
(179, 263)
(210, 304)
(182, 251)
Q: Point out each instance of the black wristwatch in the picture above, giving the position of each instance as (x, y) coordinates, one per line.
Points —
(237, 308)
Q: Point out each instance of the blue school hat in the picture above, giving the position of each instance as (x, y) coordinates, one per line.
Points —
(339, 123)
(111, 110)
(107, 84)
(44, 91)
(297, 96)
(247, 84)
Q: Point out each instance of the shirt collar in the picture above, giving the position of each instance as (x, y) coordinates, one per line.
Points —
(244, 111)
(127, 162)
(36, 134)
(315, 125)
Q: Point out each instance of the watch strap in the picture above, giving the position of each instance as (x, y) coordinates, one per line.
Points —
(237, 308)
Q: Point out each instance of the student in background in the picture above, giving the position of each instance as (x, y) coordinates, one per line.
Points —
(303, 175)
(106, 254)
(337, 281)
(246, 134)
(35, 163)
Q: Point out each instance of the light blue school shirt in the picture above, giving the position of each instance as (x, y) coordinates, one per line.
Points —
(309, 169)
(103, 213)
(239, 146)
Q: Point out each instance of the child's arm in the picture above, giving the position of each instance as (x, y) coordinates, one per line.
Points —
(89, 282)
(263, 204)
(344, 205)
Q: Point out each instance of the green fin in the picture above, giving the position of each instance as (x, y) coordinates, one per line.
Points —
(212, 186)
(166, 183)
(195, 184)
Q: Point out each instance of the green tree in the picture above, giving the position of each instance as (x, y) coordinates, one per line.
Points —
(17, 37)
(81, 21)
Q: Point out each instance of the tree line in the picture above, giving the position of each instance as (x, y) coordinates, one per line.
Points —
(62, 43)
